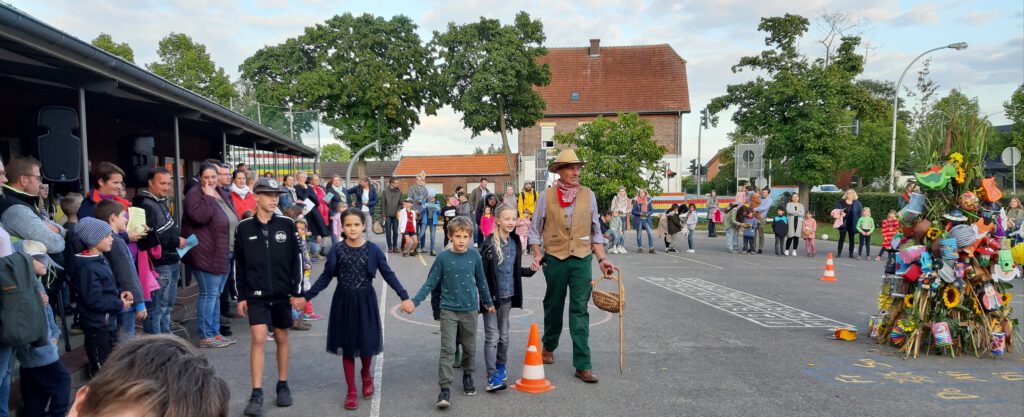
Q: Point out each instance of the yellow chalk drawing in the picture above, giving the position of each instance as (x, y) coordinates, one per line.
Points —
(906, 377)
(871, 363)
(853, 379)
(954, 394)
(962, 376)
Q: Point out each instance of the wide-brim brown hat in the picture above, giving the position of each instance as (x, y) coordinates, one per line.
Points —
(565, 157)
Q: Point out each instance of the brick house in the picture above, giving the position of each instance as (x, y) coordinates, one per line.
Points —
(445, 172)
(714, 166)
(603, 81)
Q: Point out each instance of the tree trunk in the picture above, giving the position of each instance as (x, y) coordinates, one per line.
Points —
(805, 194)
(513, 173)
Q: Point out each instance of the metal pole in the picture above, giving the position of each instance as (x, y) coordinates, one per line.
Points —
(700, 129)
(291, 127)
(895, 109)
(85, 140)
(178, 173)
(317, 141)
(224, 146)
(355, 158)
(259, 113)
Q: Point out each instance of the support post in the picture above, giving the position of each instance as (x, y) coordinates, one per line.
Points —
(178, 173)
(85, 140)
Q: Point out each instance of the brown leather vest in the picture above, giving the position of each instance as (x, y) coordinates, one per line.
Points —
(562, 239)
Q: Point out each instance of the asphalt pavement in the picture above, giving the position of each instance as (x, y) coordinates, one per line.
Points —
(706, 334)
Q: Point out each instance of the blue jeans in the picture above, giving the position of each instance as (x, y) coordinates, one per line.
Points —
(617, 238)
(159, 318)
(641, 225)
(689, 237)
(430, 229)
(208, 307)
(391, 232)
(6, 367)
(126, 322)
(730, 238)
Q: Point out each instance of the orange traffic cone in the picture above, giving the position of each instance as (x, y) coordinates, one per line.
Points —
(533, 380)
(830, 270)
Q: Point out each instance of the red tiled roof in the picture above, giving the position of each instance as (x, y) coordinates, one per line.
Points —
(645, 78)
(454, 165)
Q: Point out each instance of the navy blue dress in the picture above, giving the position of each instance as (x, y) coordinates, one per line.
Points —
(354, 323)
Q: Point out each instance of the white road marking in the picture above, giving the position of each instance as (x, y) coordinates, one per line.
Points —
(378, 371)
(693, 260)
(757, 310)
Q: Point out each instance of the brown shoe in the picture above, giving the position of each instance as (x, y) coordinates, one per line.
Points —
(587, 376)
(300, 324)
(547, 357)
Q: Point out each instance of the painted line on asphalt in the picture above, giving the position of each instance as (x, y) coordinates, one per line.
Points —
(691, 260)
(378, 371)
(757, 310)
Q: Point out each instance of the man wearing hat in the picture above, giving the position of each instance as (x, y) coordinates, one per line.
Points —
(566, 225)
(269, 280)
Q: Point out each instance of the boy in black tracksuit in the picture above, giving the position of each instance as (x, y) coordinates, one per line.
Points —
(780, 228)
(100, 299)
(268, 273)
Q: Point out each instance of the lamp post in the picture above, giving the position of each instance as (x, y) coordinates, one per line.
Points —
(895, 109)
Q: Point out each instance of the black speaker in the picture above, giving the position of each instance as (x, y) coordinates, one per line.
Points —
(60, 152)
(136, 159)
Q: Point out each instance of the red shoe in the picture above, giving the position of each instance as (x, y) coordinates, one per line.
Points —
(350, 401)
(368, 387)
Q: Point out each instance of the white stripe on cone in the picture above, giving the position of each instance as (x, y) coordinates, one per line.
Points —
(533, 372)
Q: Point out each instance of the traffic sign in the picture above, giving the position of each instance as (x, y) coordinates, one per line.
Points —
(749, 161)
(1011, 156)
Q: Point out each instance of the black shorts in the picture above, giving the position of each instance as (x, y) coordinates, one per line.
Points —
(276, 313)
(413, 234)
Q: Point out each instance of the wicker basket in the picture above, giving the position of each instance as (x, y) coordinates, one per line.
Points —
(610, 301)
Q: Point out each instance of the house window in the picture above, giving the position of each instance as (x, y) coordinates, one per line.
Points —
(575, 96)
(547, 135)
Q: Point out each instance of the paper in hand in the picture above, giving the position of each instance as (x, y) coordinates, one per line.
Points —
(308, 206)
(190, 242)
(137, 220)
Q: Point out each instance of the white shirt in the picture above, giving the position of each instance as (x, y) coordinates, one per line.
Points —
(366, 199)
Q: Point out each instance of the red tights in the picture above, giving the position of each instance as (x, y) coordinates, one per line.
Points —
(350, 371)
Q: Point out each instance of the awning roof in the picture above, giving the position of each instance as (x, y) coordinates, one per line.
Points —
(34, 51)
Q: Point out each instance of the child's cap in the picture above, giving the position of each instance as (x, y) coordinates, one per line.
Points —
(37, 251)
(91, 231)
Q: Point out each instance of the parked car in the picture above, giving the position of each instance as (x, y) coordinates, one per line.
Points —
(825, 188)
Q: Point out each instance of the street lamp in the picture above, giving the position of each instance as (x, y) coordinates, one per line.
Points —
(895, 108)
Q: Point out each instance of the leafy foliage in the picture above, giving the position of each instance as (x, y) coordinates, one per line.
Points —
(364, 74)
(488, 72)
(333, 152)
(619, 152)
(186, 63)
(106, 42)
(1015, 112)
(954, 125)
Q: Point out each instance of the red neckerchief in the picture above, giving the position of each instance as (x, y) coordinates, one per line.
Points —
(566, 193)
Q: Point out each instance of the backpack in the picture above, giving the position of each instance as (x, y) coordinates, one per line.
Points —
(22, 315)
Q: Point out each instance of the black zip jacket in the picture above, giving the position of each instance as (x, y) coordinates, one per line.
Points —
(489, 253)
(163, 230)
(267, 261)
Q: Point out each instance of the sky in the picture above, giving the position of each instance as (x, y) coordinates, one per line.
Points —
(711, 35)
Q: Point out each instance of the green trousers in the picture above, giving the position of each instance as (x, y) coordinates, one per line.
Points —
(456, 328)
(570, 275)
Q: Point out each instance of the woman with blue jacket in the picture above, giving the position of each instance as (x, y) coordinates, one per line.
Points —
(642, 208)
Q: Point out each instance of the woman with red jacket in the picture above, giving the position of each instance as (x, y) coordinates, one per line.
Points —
(208, 216)
(241, 195)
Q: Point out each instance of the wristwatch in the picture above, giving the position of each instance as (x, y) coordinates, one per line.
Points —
(599, 260)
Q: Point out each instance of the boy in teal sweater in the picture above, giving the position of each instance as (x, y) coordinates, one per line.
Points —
(460, 271)
(865, 226)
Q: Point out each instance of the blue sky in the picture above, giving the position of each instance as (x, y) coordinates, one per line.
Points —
(711, 35)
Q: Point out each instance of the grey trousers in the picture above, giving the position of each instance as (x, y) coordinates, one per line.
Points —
(463, 324)
(496, 336)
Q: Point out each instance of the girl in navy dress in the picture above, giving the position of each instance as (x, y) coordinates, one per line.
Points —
(354, 325)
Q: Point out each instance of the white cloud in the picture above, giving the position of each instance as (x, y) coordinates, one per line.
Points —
(922, 14)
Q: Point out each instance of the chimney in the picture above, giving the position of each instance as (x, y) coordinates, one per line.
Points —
(595, 48)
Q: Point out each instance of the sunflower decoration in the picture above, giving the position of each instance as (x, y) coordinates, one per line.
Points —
(884, 301)
(961, 176)
(908, 301)
(1007, 297)
(933, 233)
(956, 159)
(951, 297)
(977, 308)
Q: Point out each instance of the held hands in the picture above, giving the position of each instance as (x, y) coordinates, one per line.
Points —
(298, 303)
(536, 263)
(407, 307)
(490, 310)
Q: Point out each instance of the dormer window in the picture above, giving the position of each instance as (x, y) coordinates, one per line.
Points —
(575, 96)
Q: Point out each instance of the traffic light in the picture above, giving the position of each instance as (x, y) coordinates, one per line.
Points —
(704, 117)
(693, 167)
(856, 127)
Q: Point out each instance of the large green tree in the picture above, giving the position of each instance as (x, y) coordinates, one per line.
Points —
(488, 72)
(366, 75)
(188, 64)
(1015, 112)
(797, 104)
(333, 152)
(619, 152)
(106, 43)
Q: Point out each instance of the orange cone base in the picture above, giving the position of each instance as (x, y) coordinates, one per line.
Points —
(533, 386)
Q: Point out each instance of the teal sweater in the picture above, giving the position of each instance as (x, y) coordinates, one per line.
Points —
(457, 272)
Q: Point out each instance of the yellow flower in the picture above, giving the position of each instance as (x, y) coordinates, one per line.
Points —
(961, 176)
(1007, 297)
(977, 308)
(951, 296)
(908, 301)
(933, 233)
(956, 159)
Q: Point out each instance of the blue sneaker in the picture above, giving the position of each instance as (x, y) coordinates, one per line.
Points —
(500, 371)
(494, 383)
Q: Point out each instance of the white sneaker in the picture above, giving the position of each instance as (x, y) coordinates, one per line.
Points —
(786, 253)
(622, 249)
(691, 251)
(794, 252)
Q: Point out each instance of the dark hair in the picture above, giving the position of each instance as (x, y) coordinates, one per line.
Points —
(235, 174)
(294, 211)
(286, 177)
(208, 165)
(247, 214)
(674, 207)
(483, 179)
(106, 171)
(239, 165)
(106, 208)
(159, 375)
(691, 206)
(352, 212)
(21, 167)
(154, 171)
(392, 180)
(268, 174)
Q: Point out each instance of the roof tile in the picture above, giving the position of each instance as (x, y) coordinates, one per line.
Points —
(454, 165)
